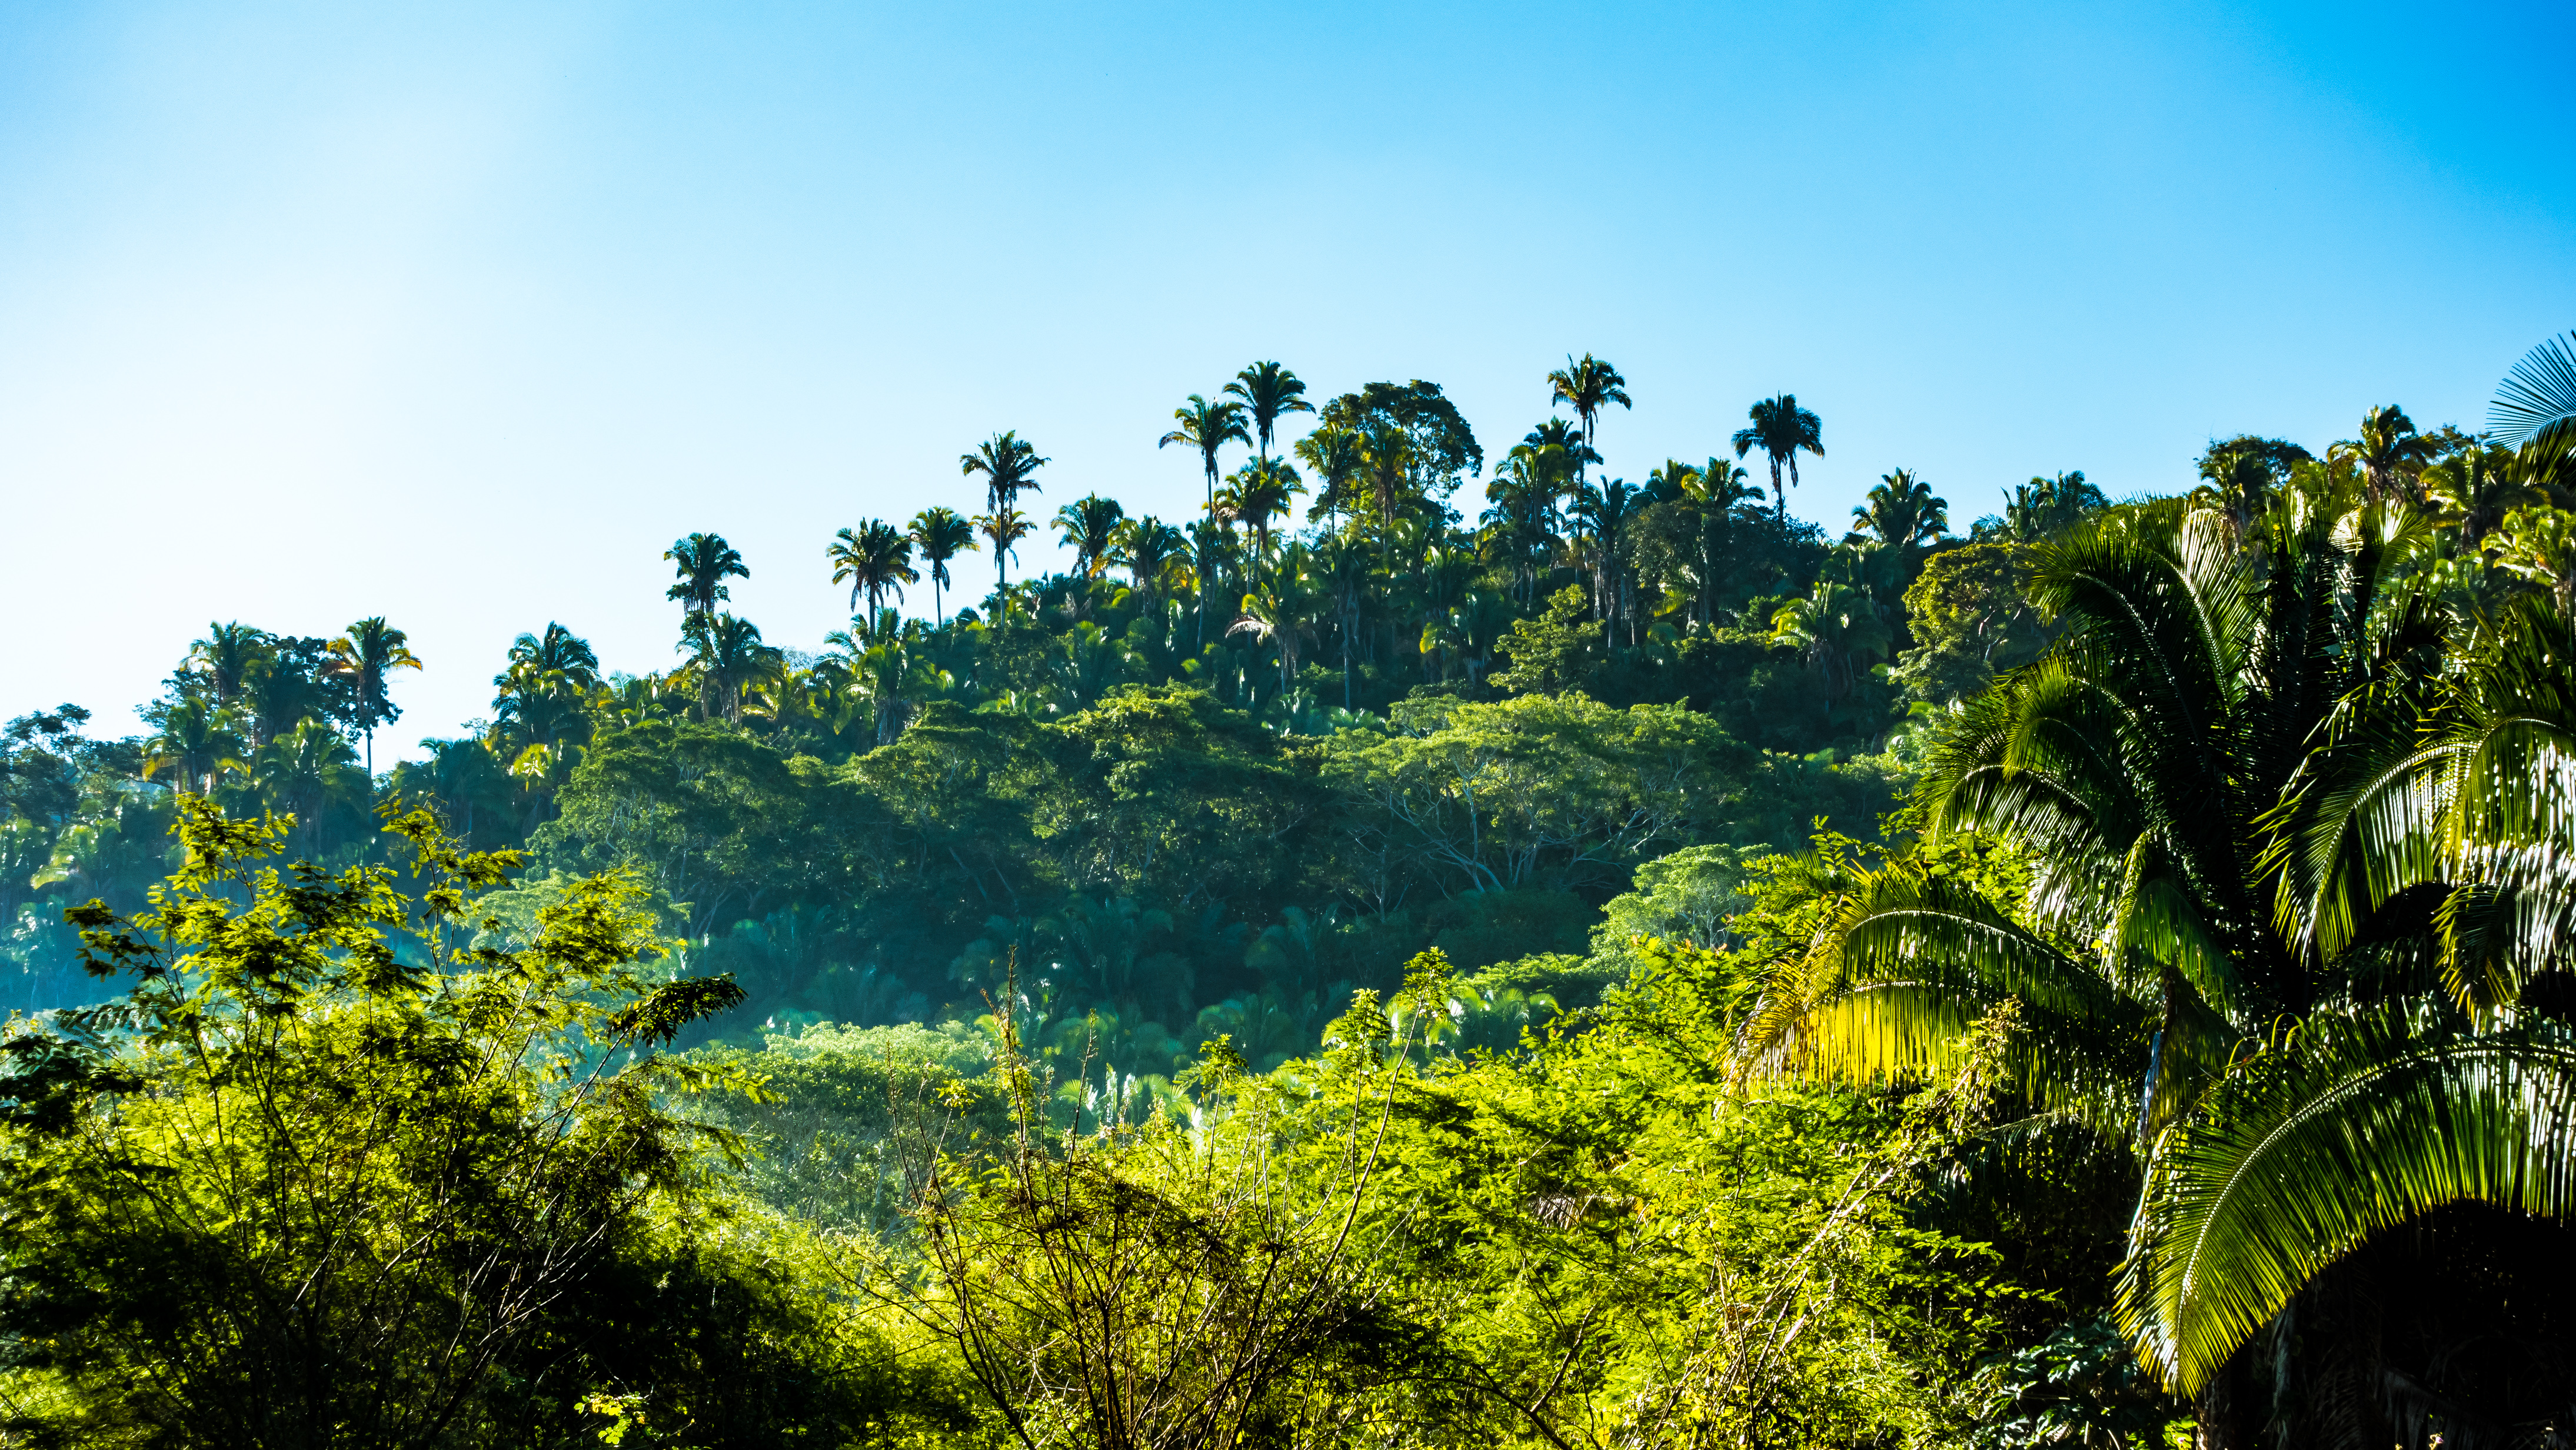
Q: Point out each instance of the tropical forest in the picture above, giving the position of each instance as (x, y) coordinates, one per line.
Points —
(1437, 947)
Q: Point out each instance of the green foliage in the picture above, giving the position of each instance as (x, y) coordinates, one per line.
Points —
(1338, 985)
(2277, 827)
(325, 1175)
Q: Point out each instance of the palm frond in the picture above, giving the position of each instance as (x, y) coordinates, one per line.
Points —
(2344, 1128)
(2537, 400)
(1907, 962)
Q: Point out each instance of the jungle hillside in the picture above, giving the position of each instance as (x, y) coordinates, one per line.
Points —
(1436, 946)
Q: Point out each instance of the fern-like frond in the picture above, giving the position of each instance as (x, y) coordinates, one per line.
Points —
(2347, 1127)
(1908, 961)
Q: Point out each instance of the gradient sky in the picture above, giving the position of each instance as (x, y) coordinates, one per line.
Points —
(460, 316)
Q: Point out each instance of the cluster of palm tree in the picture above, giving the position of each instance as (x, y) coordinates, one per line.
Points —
(267, 719)
(1383, 571)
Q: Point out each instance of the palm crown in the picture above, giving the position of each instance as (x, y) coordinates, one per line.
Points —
(1207, 427)
(875, 559)
(1903, 512)
(363, 658)
(704, 562)
(1090, 525)
(1009, 464)
(941, 535)
(1782, 430)
(1588, 386)
(1270, 392)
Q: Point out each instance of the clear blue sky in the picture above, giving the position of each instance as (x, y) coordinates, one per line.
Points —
(461, 315)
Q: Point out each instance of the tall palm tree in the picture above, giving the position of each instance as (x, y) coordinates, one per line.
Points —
(305, 771)
(1270, 392)
(1588, 387)
(558, 652)
(1782, 430)
(2043, 507)
(364, 658)
(1148, 548)
(1258, 492)
(1333, 459)
(1207, 427)
(194, 739)
(1387, 453)
(1003, 528)
(1342, 570)
(1903, 513)
(1838, 629)
(1283, 611)
(1090, 528)
(1009, 464)
(729, 658)
(1517, 529)
(2389, 452)
(704, 562)
(227, 656)
(1711, 493)
(538, 704)
(2474, 490)
(1210, 542)
(1604, 513)
(941, 535)
(875, 559)
(1553, 454)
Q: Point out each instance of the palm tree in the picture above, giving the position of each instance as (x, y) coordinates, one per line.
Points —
(2044, 506)
(1283, 611)
(705, 561)
(1207, 427)
(227, 656)
(558, 652)
(1334, 460)
(1516, 521)
(1003, 528)
(304, 771)
(1605, 512)
(1257, 493)
(1342, 569)
(195, 740)
(363, 658)
(728, 656)
(1009, 464)
(538, 702)
(875, 560)
(2475, 489)
(1781, 429)
(1270, 392)
(1090, 528)
(1902, 513)
(2388, 451)
(2241, 787)
(1148, 548)
(1209, 543)
(1838, 629)
(1588, 387)
(1386, 451)
(941, 535)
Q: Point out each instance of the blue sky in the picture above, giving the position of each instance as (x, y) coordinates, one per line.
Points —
(459, 314)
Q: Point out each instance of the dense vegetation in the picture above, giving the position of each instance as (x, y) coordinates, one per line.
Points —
(1626, 970)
